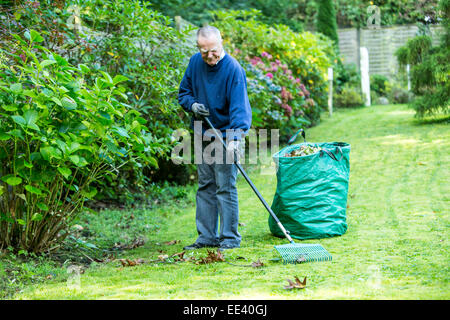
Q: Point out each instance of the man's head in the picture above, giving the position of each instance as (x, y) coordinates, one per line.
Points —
(209, 42)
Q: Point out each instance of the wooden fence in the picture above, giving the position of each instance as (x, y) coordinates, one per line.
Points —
(381, 44)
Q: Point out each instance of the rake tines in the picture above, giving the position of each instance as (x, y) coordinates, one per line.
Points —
(299, 253)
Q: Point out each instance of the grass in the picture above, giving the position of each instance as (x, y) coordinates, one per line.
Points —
(396, 246)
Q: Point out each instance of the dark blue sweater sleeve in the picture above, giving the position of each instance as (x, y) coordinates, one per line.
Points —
(240, 110)
(185, 92)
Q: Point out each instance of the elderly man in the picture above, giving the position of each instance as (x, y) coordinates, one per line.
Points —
(214, 86)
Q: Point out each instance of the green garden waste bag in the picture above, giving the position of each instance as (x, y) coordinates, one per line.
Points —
(311, 195)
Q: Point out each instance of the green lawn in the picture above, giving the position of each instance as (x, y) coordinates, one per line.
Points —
(396, 246)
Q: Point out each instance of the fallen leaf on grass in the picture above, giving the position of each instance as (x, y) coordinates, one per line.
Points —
(136, 243)
(212, 257)
(296, 285)
(163, 257)
(178, 256)
(170, 243)
(131, 263)
(257, 264)
(107, 259)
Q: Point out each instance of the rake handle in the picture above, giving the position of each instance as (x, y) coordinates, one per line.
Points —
(247, 178)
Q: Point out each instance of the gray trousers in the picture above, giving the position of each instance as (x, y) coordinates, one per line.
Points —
(217, 200)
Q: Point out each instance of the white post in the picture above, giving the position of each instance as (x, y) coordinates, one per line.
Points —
(409, 79)
(330, 91)
(365, 80)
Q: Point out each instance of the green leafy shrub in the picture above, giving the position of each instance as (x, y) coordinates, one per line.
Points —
(349, 97)
(121, 38)
(354, 13)
(379, 84)
(198, 12)
(346, 75)
(400, 95)
(430, 68)
(326, 20)
(58, 136)
(139, 43)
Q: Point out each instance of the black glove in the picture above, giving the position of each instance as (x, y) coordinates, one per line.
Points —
(199, 110)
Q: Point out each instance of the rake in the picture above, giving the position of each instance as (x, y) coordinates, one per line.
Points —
(291, 252)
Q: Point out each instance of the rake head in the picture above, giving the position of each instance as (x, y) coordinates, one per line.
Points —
(300, 253)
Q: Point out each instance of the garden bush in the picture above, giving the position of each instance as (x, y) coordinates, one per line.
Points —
(58, 135)
(139, 43)
(285, 70)
(326, 20)
(349, 97)
(288, 12)
(430, 67)
(121, 38)
(398, 94)
(379, 84)
(354, 13)
(346, 75)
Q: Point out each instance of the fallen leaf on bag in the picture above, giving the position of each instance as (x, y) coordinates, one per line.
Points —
(170, 243)
(297, 284)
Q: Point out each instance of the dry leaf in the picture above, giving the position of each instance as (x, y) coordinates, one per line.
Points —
(123, 262)
(178, 256)
(136, 243)
(170, 243)
(296, 285)
(163, 257)
(257, 264)
(131, 263)
(212, 257)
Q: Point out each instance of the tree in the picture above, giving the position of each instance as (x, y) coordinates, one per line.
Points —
(430, 67)
(326, 20)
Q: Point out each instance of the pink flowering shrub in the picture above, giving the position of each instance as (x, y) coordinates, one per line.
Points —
(273, 88)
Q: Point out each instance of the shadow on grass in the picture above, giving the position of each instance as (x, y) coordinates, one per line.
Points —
(440, 119)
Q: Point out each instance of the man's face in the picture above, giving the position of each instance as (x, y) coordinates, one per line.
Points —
(210, 48)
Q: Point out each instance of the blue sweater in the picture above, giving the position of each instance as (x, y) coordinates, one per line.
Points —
(222, 89)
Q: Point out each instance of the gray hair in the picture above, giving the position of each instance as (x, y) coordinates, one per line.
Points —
(209, 32)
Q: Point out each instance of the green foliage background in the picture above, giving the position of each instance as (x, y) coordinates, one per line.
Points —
(430, 69)
(326, 20)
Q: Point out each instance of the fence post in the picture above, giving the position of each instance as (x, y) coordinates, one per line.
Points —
(365, 80)
(330, 91)
(409, 79)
